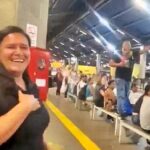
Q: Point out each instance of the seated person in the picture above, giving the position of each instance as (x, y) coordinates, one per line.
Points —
(137, 107)
(145, 112)
(136, 111)
(134, 94)
(99, 94)
(81, 83)
(109, 96)
(89, 90)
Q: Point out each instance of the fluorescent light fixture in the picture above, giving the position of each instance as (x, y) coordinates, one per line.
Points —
(82, 45)
(111, 46)
(141, 4)
(88, 63)
(71, 39)
(120, 31)
(104, 21)
(83, 32)
(72, 48)
(50, 49)
(93, 51)
(141, 47)
(66, 52)
(97, 40)
(136, 40)
(56, 46)
(73, 55)
(62, 43)
(65, 56)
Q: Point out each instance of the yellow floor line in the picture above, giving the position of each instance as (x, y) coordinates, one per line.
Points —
(76, 132)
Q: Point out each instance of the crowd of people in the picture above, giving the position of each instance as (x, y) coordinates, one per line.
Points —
(117, 94)
(101, 90)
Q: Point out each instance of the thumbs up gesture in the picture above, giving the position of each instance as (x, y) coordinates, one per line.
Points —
(28, 100)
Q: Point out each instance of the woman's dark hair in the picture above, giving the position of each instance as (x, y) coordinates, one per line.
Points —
(147, 89)
(13, 29)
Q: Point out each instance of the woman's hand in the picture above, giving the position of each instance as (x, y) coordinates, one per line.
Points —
(29, 100)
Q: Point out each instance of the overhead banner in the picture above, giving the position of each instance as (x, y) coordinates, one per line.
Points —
(88, 70)
(31, 30)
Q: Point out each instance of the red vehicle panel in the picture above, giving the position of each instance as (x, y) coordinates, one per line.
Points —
(39, 69)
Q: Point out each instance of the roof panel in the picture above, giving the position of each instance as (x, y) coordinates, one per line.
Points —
(114, 7)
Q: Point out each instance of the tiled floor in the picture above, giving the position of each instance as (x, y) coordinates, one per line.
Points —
(100, 131)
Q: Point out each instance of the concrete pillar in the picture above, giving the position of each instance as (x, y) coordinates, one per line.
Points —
(8, 12)
(23, 12)
(98, 63)
(142, 66)
(76, 64)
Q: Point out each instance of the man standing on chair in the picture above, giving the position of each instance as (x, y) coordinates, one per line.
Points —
(124, 62)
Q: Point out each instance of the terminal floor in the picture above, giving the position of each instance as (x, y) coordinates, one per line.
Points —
(100, 131)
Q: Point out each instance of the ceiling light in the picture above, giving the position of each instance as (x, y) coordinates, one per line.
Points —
(56, 46)
(97, 40)
(62, 43)
(65, 56)
(72, 48)
(73, 55)
(83, 32)
(111, 46)
(82, 45)
(136, 40)
(93, 51)
(141, 4)
(104, 21)
(120, 31)
(66, 52)
(71, 39)
(141, 47)
(50, 49)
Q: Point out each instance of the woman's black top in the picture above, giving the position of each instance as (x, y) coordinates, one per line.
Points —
(29, 136)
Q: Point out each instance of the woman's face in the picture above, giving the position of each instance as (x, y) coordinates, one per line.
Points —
(126, 47)
(15, 53)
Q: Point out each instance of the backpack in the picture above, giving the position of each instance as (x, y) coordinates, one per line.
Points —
(82, 93)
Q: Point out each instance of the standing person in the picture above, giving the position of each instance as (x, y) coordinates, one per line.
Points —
(23, 117)
(124, 65)
(59, 79)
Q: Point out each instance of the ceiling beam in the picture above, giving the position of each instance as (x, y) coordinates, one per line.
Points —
(101, 3)
(61, 14)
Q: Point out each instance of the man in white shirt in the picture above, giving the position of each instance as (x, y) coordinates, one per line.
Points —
(134, 94)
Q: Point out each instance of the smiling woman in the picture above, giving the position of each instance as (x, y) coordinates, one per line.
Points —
(23, 117)
(15, 53)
